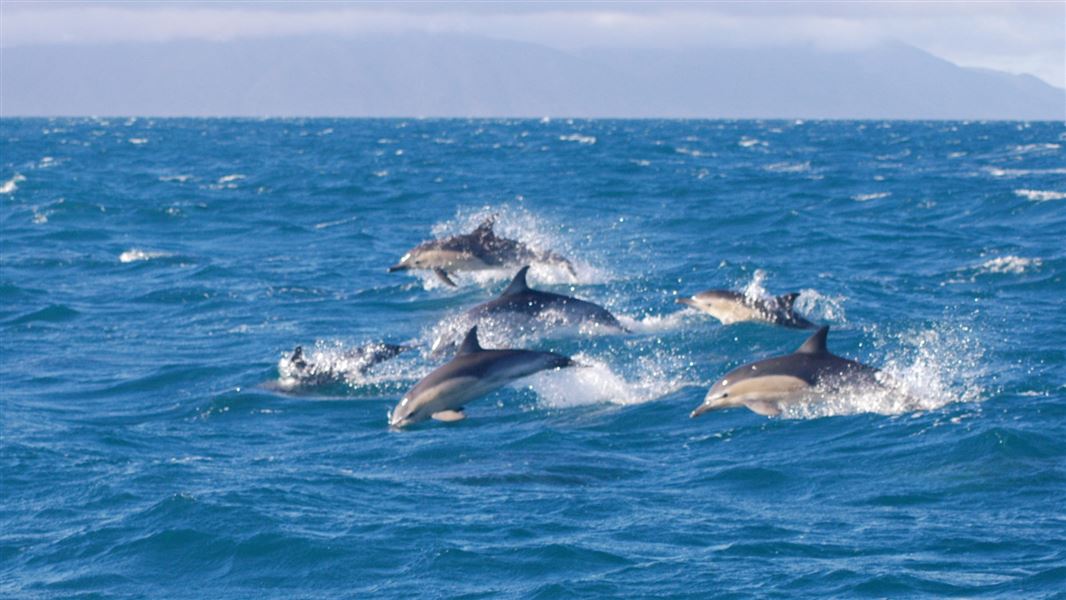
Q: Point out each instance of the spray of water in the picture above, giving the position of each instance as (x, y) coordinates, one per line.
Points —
(921, 370)
(539, 234)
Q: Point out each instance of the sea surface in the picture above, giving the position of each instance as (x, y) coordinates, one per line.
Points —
(154, 272)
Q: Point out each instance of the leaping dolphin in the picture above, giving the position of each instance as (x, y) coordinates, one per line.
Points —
(763, 386)
(519, 301)
(732, 307)
(473, 373)
(478, 250)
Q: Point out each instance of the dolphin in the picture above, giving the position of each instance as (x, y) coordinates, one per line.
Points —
(763, 386)
(478, 250)
(521, 301)
(732, 307)
(473, 373)
(297, 370)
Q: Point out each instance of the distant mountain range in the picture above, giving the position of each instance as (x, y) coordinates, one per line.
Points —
(423, 75)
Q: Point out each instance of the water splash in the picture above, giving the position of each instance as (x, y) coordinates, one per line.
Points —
(595, 382)
(921, 370)
(517, 223)
(9, 186)
(343, 367)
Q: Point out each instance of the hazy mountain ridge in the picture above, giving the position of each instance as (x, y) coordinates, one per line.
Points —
(452, 75)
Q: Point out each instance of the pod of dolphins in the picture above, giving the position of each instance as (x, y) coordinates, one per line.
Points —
(764, 386)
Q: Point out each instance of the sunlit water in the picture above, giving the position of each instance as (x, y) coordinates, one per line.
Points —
(155, 273)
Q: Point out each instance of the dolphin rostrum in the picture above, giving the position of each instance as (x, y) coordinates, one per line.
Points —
(473, 373)
(763, 386)
(732, 307)
(478, 250)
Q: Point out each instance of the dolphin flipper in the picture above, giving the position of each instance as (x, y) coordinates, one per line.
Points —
(443, 276)
(449, 416)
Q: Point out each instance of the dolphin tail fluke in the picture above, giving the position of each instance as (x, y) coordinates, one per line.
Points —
(443, 276)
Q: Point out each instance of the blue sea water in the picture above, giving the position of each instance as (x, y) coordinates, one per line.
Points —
(153, 273)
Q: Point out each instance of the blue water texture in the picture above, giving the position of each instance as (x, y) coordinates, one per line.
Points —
(155, 273)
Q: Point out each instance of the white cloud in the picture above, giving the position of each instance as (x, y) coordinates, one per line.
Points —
(1015, 37)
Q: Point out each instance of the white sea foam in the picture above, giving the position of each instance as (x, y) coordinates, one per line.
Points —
(1012, 173)
(138, 141)
(227, 182)
(1014, 265)
(595, 382)
(870, 196)
(135, 255)
(178, 178)
(787, 167)
(1040, 195)
(921, 370)
(1035, 148)
(577, 137)
(653, 323)
(9, 186)
(1000, 265)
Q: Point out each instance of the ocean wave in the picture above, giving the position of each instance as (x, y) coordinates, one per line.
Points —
(138, 141)
(870, 196)
(1040, 195)
(1035, 148)
(587, 140)
(227, 182)
(178, 178)
(1012, 173)
(136, 254)
(788, 167)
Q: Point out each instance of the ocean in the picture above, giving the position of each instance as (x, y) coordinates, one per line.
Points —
(153, 273)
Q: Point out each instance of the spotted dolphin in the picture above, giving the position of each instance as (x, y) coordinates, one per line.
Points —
(519, 303)
(478, 250)
(733, 307)
(764, 386)
(472, 373)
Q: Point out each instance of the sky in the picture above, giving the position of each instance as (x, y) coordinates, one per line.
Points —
(1016, 37)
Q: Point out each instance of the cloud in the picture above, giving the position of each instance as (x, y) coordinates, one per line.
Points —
(1015, 37)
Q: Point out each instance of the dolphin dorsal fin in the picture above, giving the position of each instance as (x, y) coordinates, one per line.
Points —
(518, 284)
(485, 228)
(786, 301)
(816, 343)
(470, 344)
